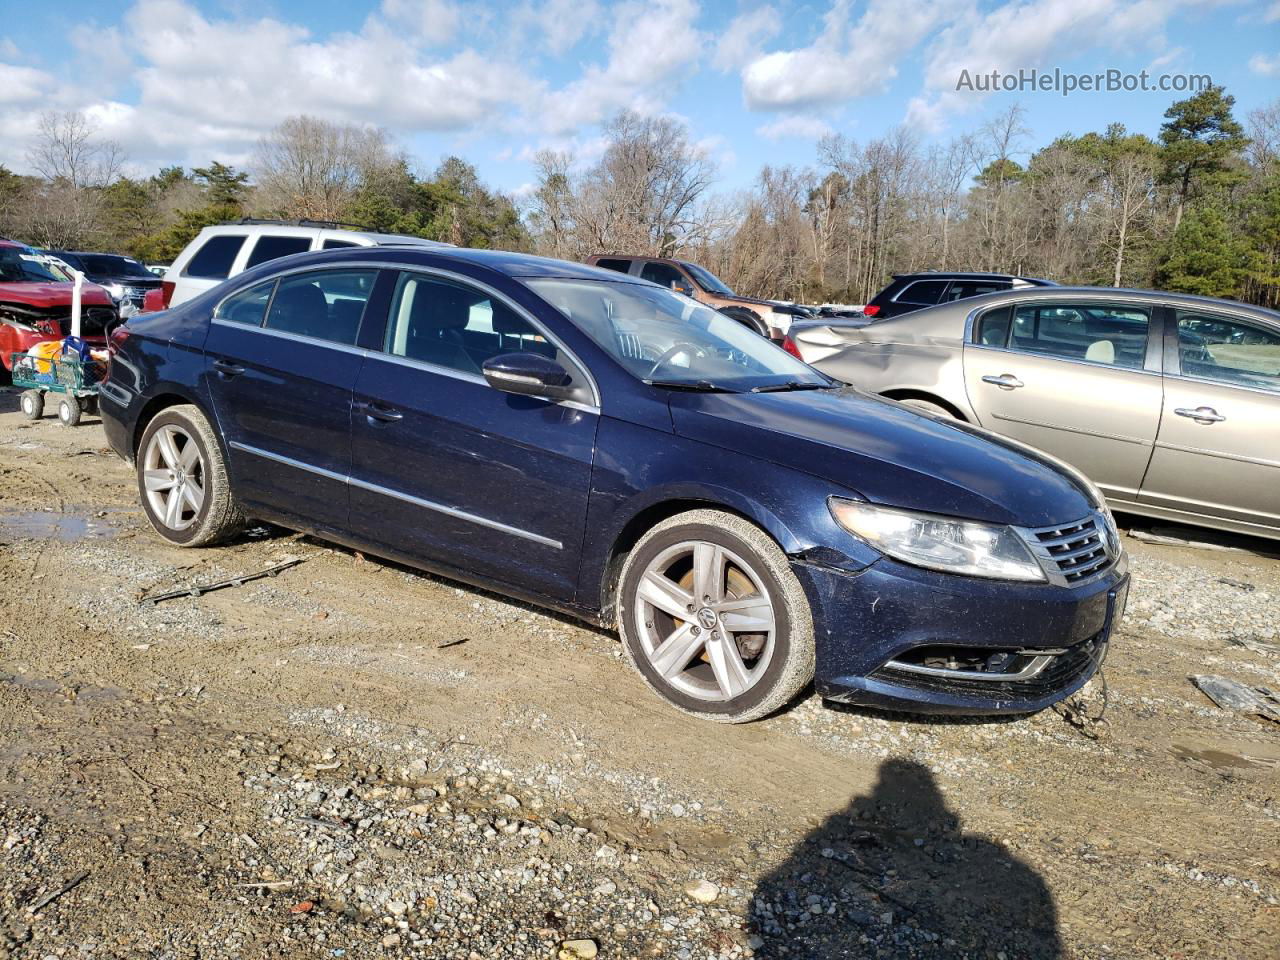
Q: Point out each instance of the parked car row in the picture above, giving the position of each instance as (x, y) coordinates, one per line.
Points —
(603, 445)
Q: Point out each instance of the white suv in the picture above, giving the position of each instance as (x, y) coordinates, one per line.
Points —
(223, 251)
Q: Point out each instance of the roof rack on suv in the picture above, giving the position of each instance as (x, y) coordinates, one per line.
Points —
(331, 224)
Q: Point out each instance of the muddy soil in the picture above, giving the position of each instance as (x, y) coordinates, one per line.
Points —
(352, 759)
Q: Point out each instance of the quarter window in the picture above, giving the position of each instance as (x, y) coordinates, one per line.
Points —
(326, 304)
(993, 327)
(1111, 334)
(213, 260)
(447, 324)
(272, 247)
(337, 244)
(923, 293)
(247, 306)
(1228, 351)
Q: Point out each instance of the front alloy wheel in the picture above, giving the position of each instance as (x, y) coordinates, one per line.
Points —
(714, 619)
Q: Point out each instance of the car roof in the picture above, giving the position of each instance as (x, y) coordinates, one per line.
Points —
(296, 229)
(969, 275)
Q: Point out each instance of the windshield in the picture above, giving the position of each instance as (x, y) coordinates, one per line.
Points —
(104, 265)
(18, 265)
(708, 281)
(667, 338)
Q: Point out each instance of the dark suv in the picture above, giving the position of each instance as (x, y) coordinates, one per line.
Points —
(124, 278)
(911, 291)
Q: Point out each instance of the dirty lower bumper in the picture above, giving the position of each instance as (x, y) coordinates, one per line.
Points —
(894, 612)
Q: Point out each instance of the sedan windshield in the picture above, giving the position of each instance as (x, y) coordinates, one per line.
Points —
(669, 340)
(22, 266)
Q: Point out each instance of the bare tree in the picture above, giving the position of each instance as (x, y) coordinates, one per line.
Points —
(66, 150)
(312, 168)
(1263, 150)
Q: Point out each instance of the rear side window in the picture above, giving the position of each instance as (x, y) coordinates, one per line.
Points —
(1228, 351)
(337, 244)
(269, 248)
(622, 266)
(450, 325)
(213, 260)
(923, 293)
(1111, 334)
(247, 306)
(663, 274)
(993, 327)
(325, 304)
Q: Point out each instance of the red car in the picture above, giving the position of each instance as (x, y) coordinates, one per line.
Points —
(35, 304)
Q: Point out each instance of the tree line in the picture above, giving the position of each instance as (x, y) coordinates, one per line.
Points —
(1197, 209)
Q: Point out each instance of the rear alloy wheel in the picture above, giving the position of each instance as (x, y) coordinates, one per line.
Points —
(183, 480)
(713, 618)
(32, 404)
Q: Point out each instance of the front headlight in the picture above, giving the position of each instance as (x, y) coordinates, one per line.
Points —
(115, 289)
(939, 543)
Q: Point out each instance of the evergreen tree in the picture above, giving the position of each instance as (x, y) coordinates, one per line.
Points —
(1205, 257)
(1200, 139)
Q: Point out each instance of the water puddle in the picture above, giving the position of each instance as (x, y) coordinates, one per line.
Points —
(51, 525)
(1229, 756)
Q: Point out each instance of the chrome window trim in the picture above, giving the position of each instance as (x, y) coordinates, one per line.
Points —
(1049, 356)
(296, 337)
(397, 494)
(1223, 384)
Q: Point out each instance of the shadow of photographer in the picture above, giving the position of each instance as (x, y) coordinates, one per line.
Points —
(893, 875)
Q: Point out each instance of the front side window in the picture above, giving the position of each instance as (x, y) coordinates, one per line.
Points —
(658, 335)
(271, 247)
(449, 324)
(247, 306)
(213, 260)
(609, 263)
(325, 304)
(1229, 351)
(1110, 334)
(923, 293)
(663, 274)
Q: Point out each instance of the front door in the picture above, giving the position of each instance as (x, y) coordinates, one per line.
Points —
(1073, 378)
(281, 366)
(451, 470)
(1218, 451)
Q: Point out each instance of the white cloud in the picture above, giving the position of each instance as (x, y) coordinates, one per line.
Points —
(555, 26)
(746, 33)
(434, 21)
(21, 85)
(651, 48)
(1265, 66)
(1166, 58)
(847, 60)
(795, 127)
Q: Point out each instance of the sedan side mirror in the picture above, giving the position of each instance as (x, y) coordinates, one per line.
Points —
(529, 374)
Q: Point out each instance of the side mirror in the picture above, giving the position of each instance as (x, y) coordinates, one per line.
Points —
(529, 374)
(679, 286)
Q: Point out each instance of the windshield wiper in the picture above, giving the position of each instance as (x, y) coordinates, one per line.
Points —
(700, 386)
(790, 385)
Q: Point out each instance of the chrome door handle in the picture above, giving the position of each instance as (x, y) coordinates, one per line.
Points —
(1200, 414)
(376, 411)
(1006, 380)
(226, 369)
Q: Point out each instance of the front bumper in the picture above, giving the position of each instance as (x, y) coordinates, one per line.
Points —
(894, 612)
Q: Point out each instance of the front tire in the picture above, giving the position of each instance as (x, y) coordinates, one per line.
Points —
(69, 411)
(713, 619)
(182, 479)
(32, 402)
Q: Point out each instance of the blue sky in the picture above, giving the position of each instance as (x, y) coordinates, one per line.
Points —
(186, 81)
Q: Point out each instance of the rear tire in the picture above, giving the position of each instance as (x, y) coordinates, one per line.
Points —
(69, 411)
(733, 658)
(32, 402)
(182, 479)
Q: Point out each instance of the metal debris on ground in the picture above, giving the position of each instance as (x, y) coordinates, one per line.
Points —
(451, 643)
(237, 581)
(1233, 695)
(67, 887)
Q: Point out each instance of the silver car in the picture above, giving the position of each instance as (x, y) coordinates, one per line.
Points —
(1170, 403)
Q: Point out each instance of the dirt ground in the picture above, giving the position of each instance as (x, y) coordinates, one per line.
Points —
(352, 759)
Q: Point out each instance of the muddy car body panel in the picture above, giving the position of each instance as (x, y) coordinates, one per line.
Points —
(542, 500)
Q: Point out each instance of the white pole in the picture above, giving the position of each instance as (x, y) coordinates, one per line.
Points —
(75, 302)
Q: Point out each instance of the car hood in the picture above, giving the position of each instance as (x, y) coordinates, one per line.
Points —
(46, 295)
(888, 453)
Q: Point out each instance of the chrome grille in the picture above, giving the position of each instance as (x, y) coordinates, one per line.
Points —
(1074, 552)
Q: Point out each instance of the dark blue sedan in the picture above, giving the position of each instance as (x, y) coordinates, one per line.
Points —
(605, 447)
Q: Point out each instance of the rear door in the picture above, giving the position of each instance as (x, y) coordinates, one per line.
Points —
(1218, 450)
(1079, 379)
(448, 469)
(281, 366)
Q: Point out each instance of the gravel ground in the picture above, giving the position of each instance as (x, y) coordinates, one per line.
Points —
(353, 759)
